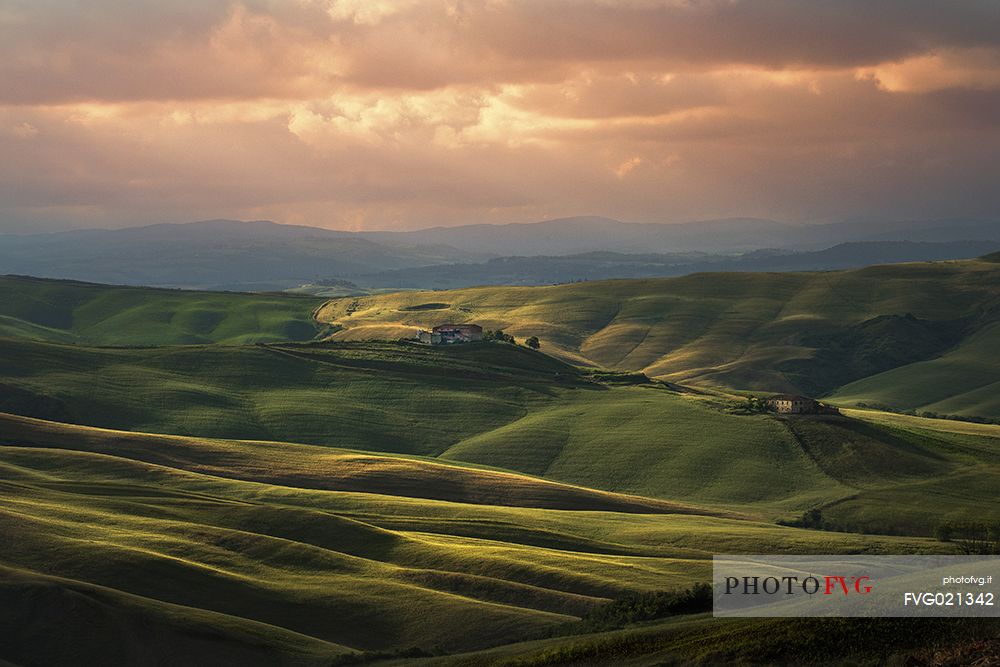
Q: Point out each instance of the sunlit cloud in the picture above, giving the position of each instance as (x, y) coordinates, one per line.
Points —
(973, 68)
(354, 114)
(364, 12)
(24, 130)
(626, 167)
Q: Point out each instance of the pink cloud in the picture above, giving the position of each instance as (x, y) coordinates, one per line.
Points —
(395, 114)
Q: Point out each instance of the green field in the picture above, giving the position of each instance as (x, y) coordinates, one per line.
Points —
(241, 492)
(963, 381)
(702, 640)
(507, 407)
(260, 552)
(68, 311)
(804, 332)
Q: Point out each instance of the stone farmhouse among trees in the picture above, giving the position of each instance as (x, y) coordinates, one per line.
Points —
(450, 334)
(799, 405)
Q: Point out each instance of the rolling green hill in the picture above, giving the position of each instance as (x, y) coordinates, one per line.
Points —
(380, 397)
(316, 503)
(497, 405)
(56, 620)
(491, 404)
(806, 332)
(267, 564)
(310, 466)
(962, 381)
(703, 640)
(882, 335)
(501, 406)
(67, 311)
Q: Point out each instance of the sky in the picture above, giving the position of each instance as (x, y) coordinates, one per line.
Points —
(365, 114)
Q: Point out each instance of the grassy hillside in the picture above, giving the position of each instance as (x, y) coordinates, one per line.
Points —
(316, 503)
(381, 397)
(963, 381)
(54, 620)
(945, 471)
(702, 640)
(285, 572)
(315, 467)
(809, 332)
(499, 406)
(66, 311)
(655, 443)
(496, 405)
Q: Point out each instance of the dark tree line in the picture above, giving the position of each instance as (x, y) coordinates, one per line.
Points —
(971, 537)
(500, 336)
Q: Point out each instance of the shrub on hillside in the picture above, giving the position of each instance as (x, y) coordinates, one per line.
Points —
(757, 404)
(813, 519)
(637, 608)
(498, 336)
(649, 606)
(971, 537)
(620, 377)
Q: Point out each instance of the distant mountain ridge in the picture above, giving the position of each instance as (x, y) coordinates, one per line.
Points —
(262, 255)
(566, 236)
(547, 270)
(213, 254)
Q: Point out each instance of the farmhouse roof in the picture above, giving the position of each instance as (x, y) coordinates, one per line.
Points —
(459, 327)
(789, 397)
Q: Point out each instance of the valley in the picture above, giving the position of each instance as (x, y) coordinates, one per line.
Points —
(281, 478)
(499, 333)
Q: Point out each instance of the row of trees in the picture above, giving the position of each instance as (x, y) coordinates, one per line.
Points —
(930, 414)
(499, 336)
(971, 537)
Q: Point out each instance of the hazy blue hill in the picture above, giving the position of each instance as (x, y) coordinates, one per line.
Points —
(928, 230)
(261, 255)
(582, 234)
(858, 254)
(567, 236)
(941, 230)
(219, 254)
(547, 270)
